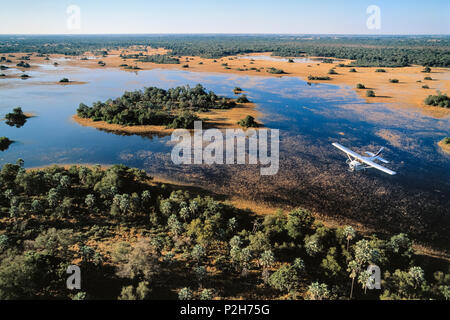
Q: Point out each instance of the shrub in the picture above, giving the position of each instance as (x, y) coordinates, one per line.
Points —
(370, 93)
(64, 80)
(22, 64)
(393, 81)
(310, 77)
(16, 117)
(425, 87)
(185, 294)
(440, 100)
(380, 70)
(4, 143)
(428, 78)
(248, 122)
(275, 71)
(332, 71)
(360, 86)
(242, 99)
(352, 70)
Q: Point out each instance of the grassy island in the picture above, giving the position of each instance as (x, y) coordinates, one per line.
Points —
(16, 118)
(173, 108)
(4, 143)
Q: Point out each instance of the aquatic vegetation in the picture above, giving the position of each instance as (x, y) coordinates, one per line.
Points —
(16, 118)
(4, 143)
(237, 90)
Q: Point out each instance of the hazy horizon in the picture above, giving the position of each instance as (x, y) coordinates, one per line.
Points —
(282, 17)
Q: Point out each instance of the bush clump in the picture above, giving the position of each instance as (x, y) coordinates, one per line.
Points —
(4, 143)
(439, 100)
(248, 122)
(370, 93)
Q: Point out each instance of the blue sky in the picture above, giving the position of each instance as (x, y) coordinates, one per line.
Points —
(225, 16)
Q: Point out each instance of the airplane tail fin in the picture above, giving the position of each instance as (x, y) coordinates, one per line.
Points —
(379, 152)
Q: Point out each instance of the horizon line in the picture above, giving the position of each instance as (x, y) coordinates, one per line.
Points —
(220, 33)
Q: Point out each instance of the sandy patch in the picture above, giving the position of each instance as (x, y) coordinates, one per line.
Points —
(445, 147)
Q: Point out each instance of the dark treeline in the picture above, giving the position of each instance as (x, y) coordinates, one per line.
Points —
(160, 58)
(157, 58)
(174, 108)
(134, 239)
(386, 51)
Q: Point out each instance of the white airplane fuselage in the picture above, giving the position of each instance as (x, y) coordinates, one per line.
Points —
(355, 165)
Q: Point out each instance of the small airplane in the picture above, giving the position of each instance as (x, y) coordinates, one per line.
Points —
(357, 162)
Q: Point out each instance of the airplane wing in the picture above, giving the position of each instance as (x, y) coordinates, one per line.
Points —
(364, 160)
(377, 166)
(347, 151)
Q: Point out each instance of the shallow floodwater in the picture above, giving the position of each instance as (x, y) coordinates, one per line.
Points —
(310, 117)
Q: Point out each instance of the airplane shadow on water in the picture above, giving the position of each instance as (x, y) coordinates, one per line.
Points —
(312, 173)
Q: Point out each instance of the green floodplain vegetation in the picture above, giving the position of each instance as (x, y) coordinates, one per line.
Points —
(135, 239)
